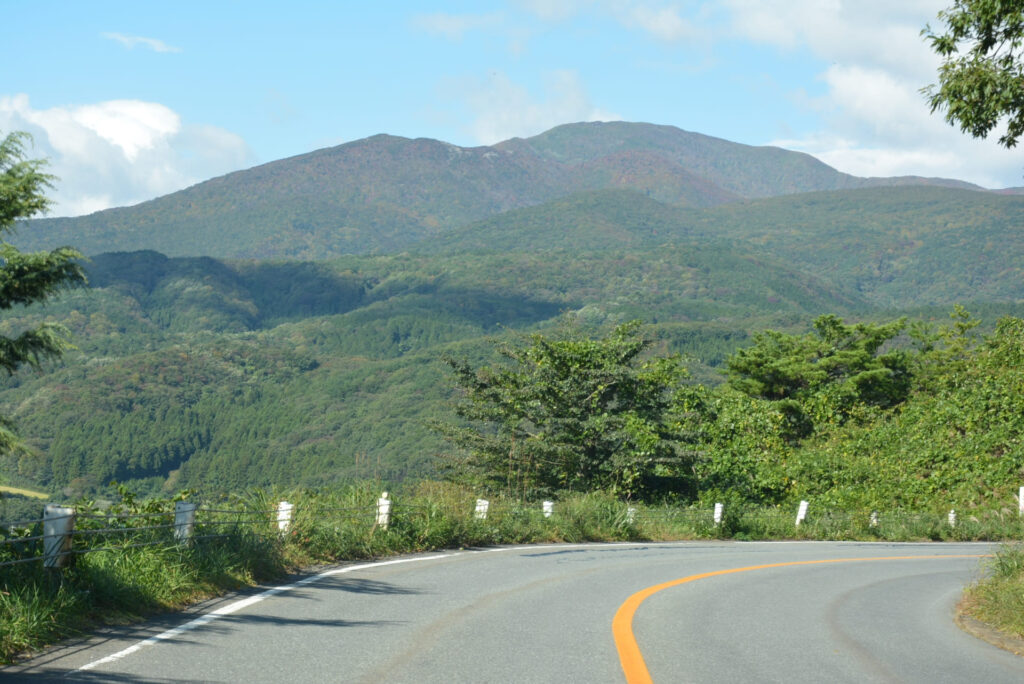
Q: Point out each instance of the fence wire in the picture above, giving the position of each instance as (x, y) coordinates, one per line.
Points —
(18, 540)
(19, 561)
(21, 523)
(218, 523)
(119, 516)
(109, 530)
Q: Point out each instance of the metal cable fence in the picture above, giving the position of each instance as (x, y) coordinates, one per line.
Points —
(65, 532)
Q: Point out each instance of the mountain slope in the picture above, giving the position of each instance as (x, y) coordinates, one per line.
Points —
(901, 246)
(743, 170)
(385, 193)
(212, 374)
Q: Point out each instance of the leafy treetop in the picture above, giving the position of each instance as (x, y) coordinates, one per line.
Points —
(570, 413)
(981, 79)
(825, 373)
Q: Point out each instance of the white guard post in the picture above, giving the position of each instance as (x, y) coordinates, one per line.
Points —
(719, 508)
(874, 518)
(801, 513)
(284, 516)
(952, 517)
(58, 525)
(630, 515)
(1020, 501)
(184, 520)
(383, 511)
(548, 507)
(481, 508)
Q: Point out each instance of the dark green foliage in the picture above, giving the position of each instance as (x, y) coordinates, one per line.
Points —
(981, 79)
(23, 184)
(957, 440)
(740, 445)
(570, 413)
(28, 278)
(241, 296)
(191, 374)
(825, 375)
(226, 374)
(882, 247)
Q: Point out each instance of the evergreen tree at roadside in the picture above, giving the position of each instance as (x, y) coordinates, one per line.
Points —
(571, 413)
(825, 375)
(28, 278)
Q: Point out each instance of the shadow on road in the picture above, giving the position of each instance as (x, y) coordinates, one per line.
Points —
(59, 664)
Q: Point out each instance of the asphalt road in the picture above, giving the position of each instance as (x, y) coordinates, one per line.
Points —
(546, 614)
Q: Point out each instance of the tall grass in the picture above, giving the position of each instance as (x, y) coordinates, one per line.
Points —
(998, 600)
(239, 543)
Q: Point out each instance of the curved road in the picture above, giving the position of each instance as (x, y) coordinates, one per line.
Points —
(576, 613)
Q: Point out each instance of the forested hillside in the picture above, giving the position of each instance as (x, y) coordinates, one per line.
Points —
(212, 374)
(197, 370)
(235, 373)
(890, 247)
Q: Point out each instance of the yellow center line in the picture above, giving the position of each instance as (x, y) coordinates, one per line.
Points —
(632, 659)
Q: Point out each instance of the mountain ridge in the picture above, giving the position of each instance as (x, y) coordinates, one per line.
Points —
(386, 193)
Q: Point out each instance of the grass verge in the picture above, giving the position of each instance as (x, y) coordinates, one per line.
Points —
(998, 600)
(125, 581)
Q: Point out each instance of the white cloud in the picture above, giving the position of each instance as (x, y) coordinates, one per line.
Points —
(131, 42)
(664, 23)
(870, 33)
(875, 121)
(503, 109)
(454, 26)
(554, 10)
(120, 152)
(131, 125)
(662, 20)
(962, 158)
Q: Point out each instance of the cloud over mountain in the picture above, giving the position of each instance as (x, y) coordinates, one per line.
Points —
(121, 152)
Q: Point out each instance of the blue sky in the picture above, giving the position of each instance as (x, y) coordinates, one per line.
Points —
(132, 100)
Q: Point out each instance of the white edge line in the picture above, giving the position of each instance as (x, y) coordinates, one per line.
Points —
(273, 591)
(246, 602)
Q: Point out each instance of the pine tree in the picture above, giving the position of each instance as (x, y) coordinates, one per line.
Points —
(28, 278)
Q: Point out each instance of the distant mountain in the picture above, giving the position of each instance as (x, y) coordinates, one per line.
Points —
(385, 193)
(745, 171)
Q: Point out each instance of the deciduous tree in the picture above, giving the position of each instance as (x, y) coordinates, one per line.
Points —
(570, 413)
(981, 79)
